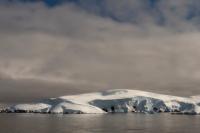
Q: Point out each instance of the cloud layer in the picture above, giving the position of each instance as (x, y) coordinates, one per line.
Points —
(70, 48)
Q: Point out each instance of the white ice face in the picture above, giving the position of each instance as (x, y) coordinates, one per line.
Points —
(120, 100)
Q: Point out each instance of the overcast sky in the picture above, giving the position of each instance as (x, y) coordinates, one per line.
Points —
(60, 47)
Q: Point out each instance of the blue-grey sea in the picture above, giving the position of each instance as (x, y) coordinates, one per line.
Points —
(99, 123)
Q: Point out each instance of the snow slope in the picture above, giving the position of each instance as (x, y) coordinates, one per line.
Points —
(119, 100)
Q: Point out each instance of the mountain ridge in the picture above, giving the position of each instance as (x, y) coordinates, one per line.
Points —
(111, 101)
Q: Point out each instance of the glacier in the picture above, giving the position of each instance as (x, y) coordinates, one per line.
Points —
(112, 101)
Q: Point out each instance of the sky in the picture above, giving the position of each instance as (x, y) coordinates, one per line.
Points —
(50, 48)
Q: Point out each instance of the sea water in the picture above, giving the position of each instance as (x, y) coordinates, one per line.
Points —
(99, 123)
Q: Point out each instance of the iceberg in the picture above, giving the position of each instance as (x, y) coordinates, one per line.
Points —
(112, 101)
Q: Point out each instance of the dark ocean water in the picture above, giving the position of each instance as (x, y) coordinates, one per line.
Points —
(99, 123)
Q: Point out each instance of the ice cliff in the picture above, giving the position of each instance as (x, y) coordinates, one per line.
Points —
(112, 101)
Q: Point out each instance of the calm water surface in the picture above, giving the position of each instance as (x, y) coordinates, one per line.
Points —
(106, 123)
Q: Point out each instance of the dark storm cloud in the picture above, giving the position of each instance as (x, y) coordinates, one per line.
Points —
(68, 49)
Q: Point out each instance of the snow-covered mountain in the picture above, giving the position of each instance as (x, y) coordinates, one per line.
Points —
(119, 100)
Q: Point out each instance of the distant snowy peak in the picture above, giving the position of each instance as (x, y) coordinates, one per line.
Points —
(112, 101)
